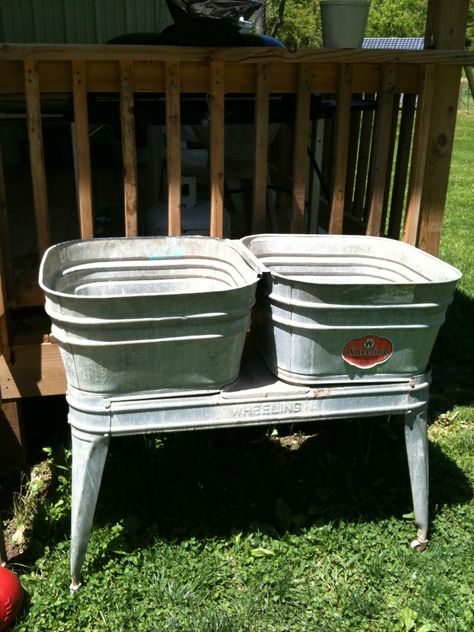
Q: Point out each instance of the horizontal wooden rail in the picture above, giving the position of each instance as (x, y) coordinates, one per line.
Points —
(239, 55)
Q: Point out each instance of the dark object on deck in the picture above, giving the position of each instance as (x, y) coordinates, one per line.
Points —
(218, 23)
(236, 14)
(208, 23)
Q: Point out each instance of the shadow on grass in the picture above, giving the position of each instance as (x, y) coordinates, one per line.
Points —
(212, 484)
(453, 358)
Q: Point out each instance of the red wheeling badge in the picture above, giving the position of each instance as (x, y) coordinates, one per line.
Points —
(368, 351)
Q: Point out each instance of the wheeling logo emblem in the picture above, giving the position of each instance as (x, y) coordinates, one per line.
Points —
(367, 352)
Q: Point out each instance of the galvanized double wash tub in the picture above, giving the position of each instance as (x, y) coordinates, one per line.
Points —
(144, 314)
(172, 313)
(152, 330)
(347, 308)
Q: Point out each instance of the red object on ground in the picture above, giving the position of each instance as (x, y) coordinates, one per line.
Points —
(11, 597)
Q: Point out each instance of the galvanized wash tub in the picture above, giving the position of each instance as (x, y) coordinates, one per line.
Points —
(336, 308)
(142, 314)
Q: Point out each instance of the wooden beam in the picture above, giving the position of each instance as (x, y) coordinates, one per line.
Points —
(300, 150)
(217, 140)
(445, 28)
(35, 138)
(378, 176)
(341, 148)
(173, 146)
(149, 76)
(444, 52)
(419, 155)
(129, 150)
(82, 148)
(262, 93)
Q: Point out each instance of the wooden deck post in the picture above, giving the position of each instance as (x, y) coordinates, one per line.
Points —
(341, 148)
(300, 151)
(445, 29)
(82, 149)
(129, 150)
(262, 92)
(217, 139)
(35, 138)
(173, 147)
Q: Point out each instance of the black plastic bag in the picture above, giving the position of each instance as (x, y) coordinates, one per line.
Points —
(236, 12)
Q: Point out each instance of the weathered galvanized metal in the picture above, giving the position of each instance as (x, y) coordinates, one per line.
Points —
(152, 332)
(133, 315)
(345, 308)
(256, 398)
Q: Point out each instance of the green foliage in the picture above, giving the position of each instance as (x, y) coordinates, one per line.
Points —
(396, 18)
(470, 26)
(301, 27)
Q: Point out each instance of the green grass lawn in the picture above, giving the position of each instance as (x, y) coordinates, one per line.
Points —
(249, 531)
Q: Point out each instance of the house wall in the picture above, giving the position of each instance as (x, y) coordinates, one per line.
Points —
(78, 21)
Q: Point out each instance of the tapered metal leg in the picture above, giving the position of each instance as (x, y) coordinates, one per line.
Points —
(416, 439)
(88, 458)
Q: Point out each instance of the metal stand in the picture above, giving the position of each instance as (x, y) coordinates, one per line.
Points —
(256, 398)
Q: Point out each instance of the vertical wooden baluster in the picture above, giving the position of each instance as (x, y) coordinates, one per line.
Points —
(363, 160)
(129, 150)
(217, 139)
(82, 148)
(37, 165)
(378, 176)
(419, 155)
(300, 151)
(173, 147)
(354, 134)
(401, 167)
(341, 148)
(390, 157)
(261, 150)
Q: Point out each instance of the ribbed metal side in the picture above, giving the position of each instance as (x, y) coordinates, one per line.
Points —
(338, 308)
(149, 314)
(78, 21)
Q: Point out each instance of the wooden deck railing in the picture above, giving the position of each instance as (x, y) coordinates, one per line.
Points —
(383, 164)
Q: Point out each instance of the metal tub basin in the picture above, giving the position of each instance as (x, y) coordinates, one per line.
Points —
(347, 308)
(134, 315)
